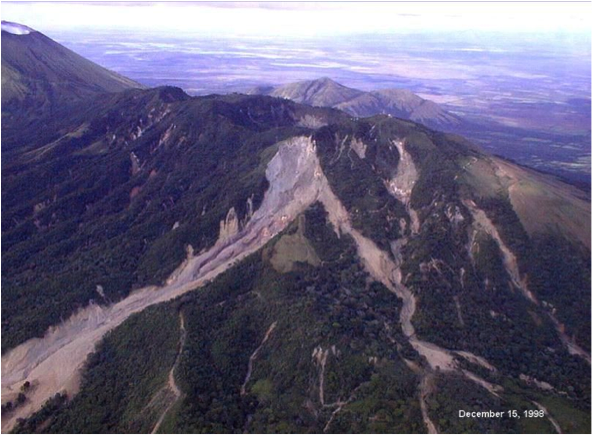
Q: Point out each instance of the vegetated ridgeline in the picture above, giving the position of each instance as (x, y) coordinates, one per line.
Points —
(402, 103)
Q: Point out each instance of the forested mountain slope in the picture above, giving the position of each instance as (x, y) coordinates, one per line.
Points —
(250, 264)
(354, 254)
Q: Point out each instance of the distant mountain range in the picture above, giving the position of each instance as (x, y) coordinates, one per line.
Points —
(250, 264)
(400, 103)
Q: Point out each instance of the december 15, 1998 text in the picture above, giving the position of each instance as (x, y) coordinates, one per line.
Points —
(512, 413)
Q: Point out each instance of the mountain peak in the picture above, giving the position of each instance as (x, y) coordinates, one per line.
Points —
(326, 81)
(39, 74)
(16, 28)
(401, 103)
(319, 92)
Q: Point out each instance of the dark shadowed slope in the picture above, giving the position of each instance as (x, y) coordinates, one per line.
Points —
(141, 160)
(39, 74)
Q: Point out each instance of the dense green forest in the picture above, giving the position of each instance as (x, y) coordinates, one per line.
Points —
(331, 308)
(334, 308)
(559, 270)
(306, 313)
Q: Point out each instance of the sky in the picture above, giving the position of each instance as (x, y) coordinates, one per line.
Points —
(302, 18)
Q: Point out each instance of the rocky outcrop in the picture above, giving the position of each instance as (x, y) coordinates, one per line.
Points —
(359, 147)
(228, 226)
(403, 182)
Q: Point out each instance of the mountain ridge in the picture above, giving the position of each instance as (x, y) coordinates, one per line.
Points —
(330, 273)
(400, 103)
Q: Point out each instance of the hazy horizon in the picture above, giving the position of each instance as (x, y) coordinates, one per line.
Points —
(519, 65)
(304, 19)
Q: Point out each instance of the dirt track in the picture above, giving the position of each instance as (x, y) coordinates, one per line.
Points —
(171, 384)
(254, 356)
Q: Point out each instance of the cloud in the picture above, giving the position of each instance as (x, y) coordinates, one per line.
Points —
(297, 19)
